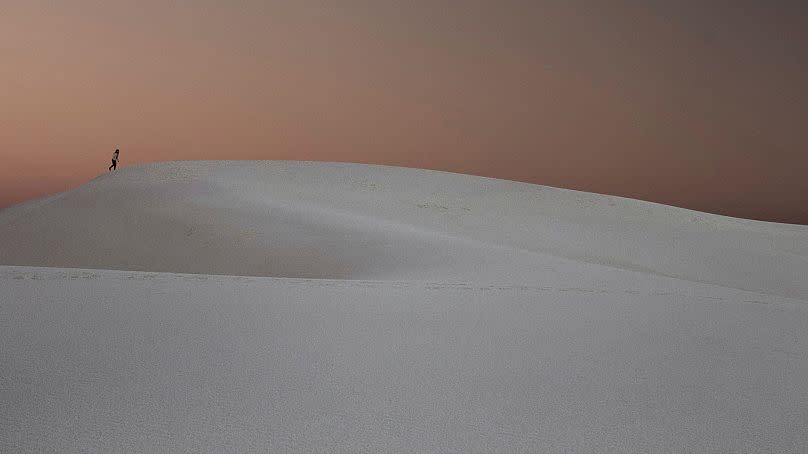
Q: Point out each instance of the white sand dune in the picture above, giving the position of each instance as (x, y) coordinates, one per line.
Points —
(355, 308)
(350, 221)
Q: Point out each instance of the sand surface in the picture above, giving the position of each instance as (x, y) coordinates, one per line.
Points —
(321, 307)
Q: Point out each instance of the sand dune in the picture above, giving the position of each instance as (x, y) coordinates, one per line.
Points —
(322, 307)
(350, 221)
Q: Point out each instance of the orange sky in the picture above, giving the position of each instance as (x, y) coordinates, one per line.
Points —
(690, 103)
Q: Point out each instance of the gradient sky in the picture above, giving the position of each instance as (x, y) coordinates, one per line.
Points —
(700, 104)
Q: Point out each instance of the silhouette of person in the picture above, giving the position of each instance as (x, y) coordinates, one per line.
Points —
(114, 160)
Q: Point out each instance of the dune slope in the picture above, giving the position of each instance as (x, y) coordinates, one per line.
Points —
(111, 361)
(352, 221)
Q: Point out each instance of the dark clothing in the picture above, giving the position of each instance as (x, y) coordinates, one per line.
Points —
(114, 164)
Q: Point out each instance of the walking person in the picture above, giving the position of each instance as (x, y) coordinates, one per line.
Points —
(114, 160)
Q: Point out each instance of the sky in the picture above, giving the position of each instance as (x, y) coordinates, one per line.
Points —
(698, 104)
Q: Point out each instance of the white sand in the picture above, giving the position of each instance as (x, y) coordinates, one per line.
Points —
(349, 221)
(514, 317)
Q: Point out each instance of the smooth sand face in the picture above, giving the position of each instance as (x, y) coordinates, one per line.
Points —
(449, 313)
(110, 361)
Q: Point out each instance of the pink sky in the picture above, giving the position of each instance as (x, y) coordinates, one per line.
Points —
(682, 103)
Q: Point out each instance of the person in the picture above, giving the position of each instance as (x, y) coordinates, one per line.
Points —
(114, 160)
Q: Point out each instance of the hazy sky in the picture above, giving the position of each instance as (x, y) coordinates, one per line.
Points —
(701, 104)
